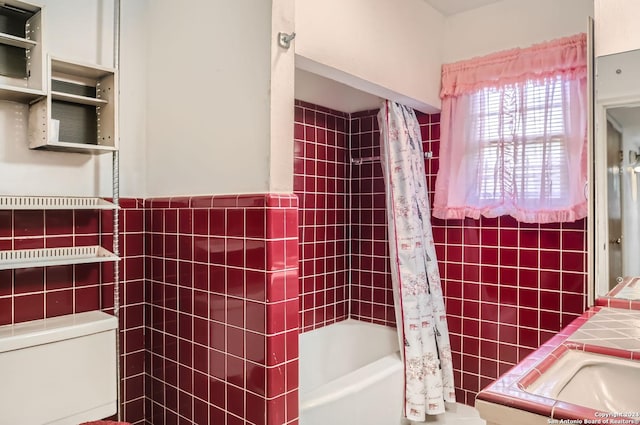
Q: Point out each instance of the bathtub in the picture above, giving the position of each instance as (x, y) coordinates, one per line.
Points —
(351, 374)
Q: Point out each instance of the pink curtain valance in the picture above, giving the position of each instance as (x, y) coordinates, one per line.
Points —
(563, 56)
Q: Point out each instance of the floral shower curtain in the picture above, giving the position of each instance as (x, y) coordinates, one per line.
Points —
(419, 303)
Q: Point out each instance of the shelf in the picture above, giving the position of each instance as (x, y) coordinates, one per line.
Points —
(79, 69)
(54, 203)
(19, 94)
(77, 147)
(74, 98)
(25, 258)
(12, 40)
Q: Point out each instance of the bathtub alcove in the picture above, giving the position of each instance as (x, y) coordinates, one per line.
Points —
(350, 370)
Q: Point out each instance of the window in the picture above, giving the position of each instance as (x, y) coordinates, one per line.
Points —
(513, 135)
(521, 131)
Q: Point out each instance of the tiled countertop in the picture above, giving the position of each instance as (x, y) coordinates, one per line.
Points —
(603, 330)
(611, 328)
(626, 294)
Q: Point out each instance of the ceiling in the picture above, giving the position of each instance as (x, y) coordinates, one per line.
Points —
(626, 117)
(451, 7)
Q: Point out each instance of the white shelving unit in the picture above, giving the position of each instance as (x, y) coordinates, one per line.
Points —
(25, 258)
(22, 70)
(72, 108)
(82, 98)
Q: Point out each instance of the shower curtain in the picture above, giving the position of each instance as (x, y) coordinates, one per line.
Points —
(418, 299)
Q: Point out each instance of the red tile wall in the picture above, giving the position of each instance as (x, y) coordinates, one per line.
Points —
(222, 318)
(132, 303)
(371, 294)
(321, 164)
(508, 286)
(41, 292)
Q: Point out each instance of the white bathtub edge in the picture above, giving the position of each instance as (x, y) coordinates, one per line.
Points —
(353, 382)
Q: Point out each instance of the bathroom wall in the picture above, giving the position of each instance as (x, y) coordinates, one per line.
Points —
(321, 164)
(371, 295)
(222, 318)
(512, 23)
(82, 30)
(509, 288)
(342, 219)
(343, 233)
(214, 313)
(40, 292)
(361, 42)
(198, 140)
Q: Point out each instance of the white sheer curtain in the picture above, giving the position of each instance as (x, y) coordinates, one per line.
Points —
(419, 302)
(514, 135)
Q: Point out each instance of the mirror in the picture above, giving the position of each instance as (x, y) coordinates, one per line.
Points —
(617, 175)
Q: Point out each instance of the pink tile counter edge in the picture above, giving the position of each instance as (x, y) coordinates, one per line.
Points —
(510, 389)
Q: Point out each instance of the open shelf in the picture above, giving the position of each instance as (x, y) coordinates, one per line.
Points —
(78, 69)
(19, 94)
(54, 203)
(79, 113)
(25, 258)
(12, 40)
(74, 98)
(77, 147)
(80, 148)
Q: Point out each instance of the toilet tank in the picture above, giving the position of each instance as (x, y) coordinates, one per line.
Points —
(58, 371)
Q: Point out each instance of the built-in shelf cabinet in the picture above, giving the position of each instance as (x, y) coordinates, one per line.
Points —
(79, 112)
(22, 68)
(72, 105)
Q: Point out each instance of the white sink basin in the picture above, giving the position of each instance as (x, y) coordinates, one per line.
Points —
(599, 382)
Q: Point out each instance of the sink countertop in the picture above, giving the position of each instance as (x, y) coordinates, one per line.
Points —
(625, 295)
(612, 328)
(603, 330)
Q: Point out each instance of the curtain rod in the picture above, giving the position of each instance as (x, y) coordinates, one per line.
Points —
(370, 159)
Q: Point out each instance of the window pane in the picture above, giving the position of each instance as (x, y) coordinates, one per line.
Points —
(521, 128)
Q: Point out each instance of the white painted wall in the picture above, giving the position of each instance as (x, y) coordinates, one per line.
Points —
(282, 100)
(391, 48)
(512, 23)
(133, 94)
(208, 103)
(617, 77)
(78, 30)
(616, 26)
(197, 113)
